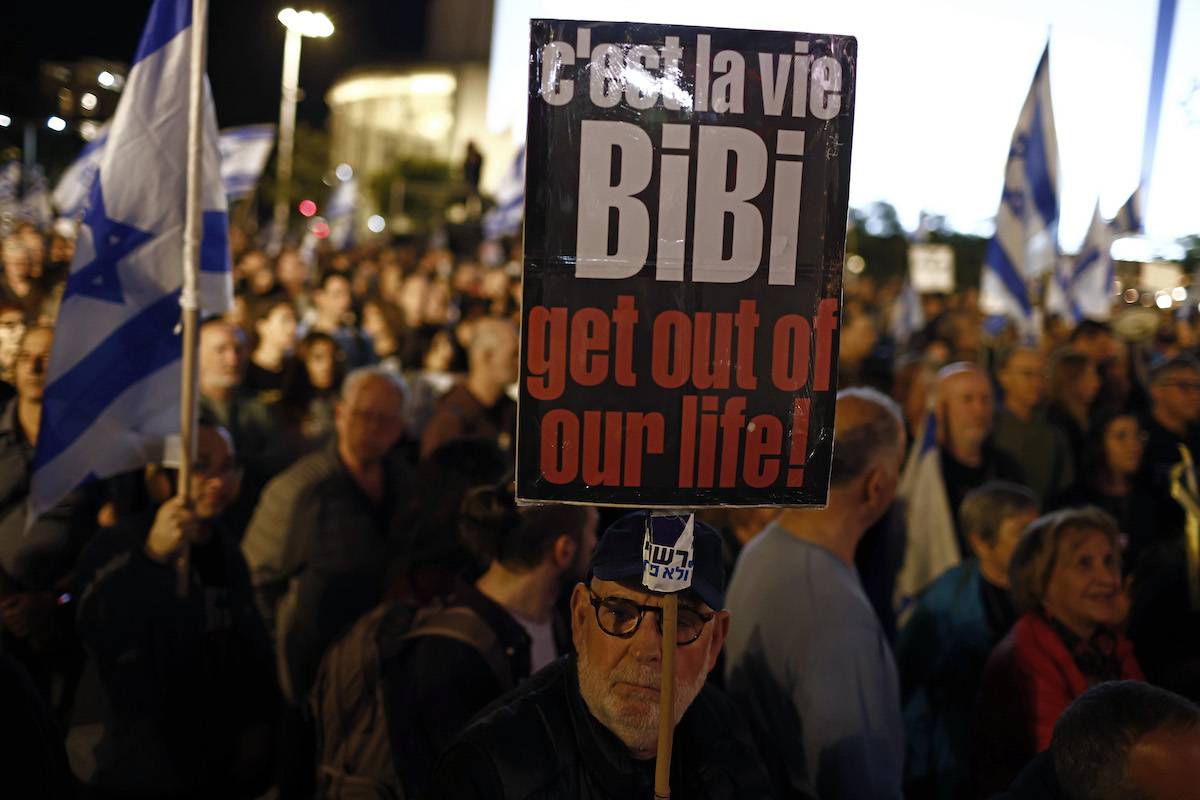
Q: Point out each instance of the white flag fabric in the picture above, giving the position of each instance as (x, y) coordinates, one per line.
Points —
(1082, 287)
(907, 318)
(505, 218)
(244, 154)
(931, 545)
(113, 383)
(71, 193)
(1025, 245)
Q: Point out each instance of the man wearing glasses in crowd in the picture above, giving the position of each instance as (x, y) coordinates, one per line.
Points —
(587, 725)
(1174, 413)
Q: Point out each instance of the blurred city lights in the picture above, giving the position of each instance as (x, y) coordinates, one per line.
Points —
(5, 120)
(306, 23)
(376, 224)
(1131, 295)
(106, 79)
(88, 101)
(344, 172)
(308, 208)
(56, 124)
(1163, 300)
(319, 228)
(856, 264)
(88, 130)
(1179, 294)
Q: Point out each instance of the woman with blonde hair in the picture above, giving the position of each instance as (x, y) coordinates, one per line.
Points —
(1065, 578)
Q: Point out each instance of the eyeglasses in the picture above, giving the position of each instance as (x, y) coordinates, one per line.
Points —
(621, 617)
(229, 471)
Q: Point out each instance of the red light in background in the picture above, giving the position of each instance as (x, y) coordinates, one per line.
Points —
(320, 229)
(308, 208)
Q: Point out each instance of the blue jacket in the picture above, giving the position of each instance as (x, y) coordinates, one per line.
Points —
(941, 653)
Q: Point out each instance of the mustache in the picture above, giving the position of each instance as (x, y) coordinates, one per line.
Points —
(638, 675)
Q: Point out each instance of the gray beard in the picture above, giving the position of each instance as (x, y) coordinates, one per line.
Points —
(637, 729)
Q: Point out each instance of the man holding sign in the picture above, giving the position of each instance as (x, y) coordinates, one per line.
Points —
(587, 726)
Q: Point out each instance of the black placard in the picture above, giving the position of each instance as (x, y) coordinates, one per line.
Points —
(685, 226)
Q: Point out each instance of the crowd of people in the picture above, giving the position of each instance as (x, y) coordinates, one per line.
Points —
(997, 597)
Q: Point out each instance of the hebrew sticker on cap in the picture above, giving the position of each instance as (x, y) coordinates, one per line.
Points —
(667, 553)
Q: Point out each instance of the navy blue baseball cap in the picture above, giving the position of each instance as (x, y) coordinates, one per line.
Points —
(619, 557)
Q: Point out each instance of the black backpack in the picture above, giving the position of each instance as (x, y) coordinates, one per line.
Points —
(347, 704)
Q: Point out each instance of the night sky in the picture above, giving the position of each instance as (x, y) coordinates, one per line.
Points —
(245, 48)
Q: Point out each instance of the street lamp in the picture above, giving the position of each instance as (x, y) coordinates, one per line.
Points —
(299, 24)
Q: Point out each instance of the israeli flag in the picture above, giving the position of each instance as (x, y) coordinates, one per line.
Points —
(340, 213)
(908, 318)
(1082, 287)
(1128, 220)
(1025, 245)
(71, 194)
(931, 546)
(505, 218)
(244, 154)
(113, 383)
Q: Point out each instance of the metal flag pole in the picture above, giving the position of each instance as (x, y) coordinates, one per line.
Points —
(188, 299)
(666, 699)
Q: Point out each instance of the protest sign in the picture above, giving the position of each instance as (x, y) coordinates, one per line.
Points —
(685, 219)
(931, 268)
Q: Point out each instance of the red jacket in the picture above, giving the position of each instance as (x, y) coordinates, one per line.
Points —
(1030, 679)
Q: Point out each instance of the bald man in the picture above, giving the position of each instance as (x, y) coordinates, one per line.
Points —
(479, 406)
(942, 471)
(807, 658)
(965, 414)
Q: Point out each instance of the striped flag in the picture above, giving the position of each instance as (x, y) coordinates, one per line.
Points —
(908, 318)
(931, 546)
(113, 383)
(1128, 220)
(505, 219)
(1025, 245)
(1082, 287)
(244, 154)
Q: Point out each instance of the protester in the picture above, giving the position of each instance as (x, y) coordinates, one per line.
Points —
(954, 625)
(1107, 479)
(178, 698)
(1066, 583)
(333, 315)
(463, 651)
(1123, 740)
(1021, 431)
(318, 543)
(1074, 386)
(479, 406)
(274, 321)
(807, 660)
(953, 458)
(587, 725)
(1172, 421)
(37, 562)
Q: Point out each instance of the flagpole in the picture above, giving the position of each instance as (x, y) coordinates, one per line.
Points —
(188, 299)
(666, 698)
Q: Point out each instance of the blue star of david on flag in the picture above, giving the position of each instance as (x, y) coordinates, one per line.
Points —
(113, 382)
(112, 241)
(1025, 245)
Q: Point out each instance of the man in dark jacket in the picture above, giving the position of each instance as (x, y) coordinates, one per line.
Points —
(178, 695)
(586, 726)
